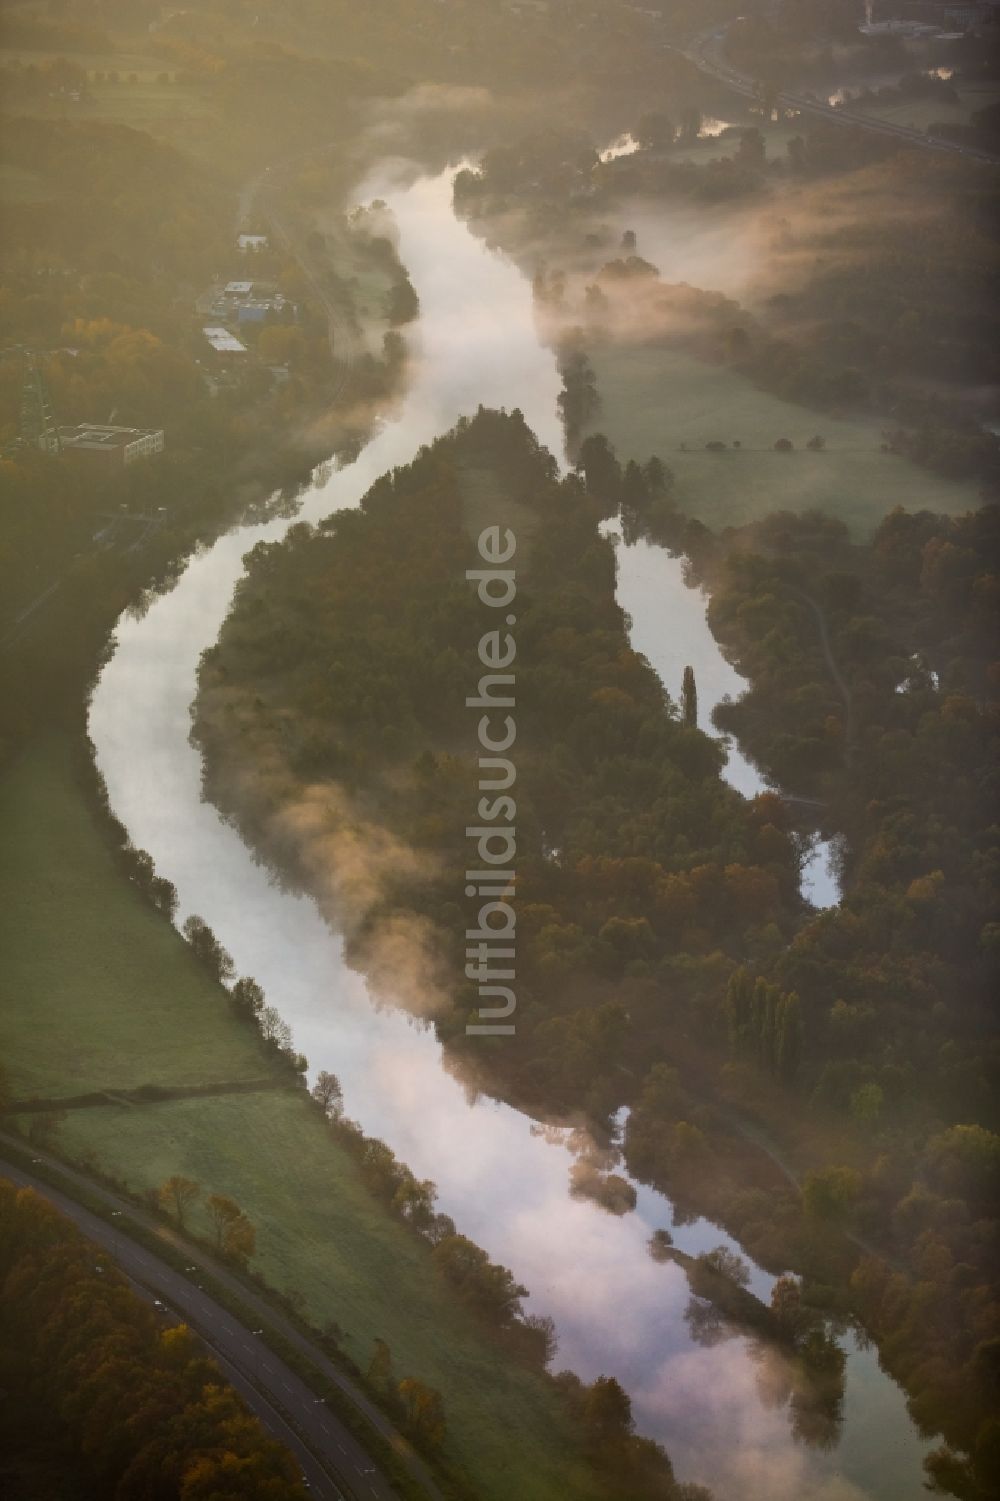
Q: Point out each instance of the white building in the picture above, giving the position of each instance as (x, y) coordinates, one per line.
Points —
(116, 447)
(223, 342)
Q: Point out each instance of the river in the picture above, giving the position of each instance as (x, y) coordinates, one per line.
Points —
(502, 1178)
(669, 626)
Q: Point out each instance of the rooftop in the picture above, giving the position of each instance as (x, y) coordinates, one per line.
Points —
(223, 341)
(100, 435)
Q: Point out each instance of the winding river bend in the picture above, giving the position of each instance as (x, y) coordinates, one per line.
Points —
(501, 1177)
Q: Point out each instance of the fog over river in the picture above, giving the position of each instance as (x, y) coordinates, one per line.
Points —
(501, 1177)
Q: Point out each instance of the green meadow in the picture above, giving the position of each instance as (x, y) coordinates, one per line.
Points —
(654, 400)
(99, 992)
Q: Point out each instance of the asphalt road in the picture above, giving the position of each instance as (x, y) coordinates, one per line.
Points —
(705, 51)
(335, 1465)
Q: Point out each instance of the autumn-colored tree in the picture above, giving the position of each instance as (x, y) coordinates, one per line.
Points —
(424, 1410)
(234, 1234)
(177, 1195)
(786, 1305)
(380, 1374)
(142, 1408)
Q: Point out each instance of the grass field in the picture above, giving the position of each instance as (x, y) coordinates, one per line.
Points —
(99, 991)
(708, 148)
(18, 185)
(177, 112)
(96, 991)
(122, 62)
(922, 113)
(653, 399)
(148, 104)
(322, 1235)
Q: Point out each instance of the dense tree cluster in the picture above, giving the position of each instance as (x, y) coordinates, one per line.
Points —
(92, 1377)
(631, 850)
(873, 691)
(632, 1466)
(642, 936)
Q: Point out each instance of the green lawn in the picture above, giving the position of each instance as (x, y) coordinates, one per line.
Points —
(98, 990)
(653, 399)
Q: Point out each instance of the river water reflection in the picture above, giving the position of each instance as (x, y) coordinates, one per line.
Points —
(500, 1176)
(669, 626)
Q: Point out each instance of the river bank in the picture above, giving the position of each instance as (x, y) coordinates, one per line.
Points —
(155, 1018)
(386, 1065)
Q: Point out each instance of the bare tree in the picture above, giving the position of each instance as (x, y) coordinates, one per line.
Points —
(328, 1094)
(273, 1029)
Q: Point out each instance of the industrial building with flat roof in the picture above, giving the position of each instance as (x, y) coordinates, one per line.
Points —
(116, 447)
(223, 342)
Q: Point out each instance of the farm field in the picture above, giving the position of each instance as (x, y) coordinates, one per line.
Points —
(99, 992)
(146, 96)
(654, 399)
(176, 112)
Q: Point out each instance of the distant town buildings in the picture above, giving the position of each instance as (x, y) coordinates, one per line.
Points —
(970, 16)
(114, 447)
(250, 302)
(925, 17)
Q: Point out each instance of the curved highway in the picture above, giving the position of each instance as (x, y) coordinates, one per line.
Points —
(706, 52)
(334, 1464)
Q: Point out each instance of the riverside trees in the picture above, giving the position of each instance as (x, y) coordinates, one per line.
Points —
(658, 914)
